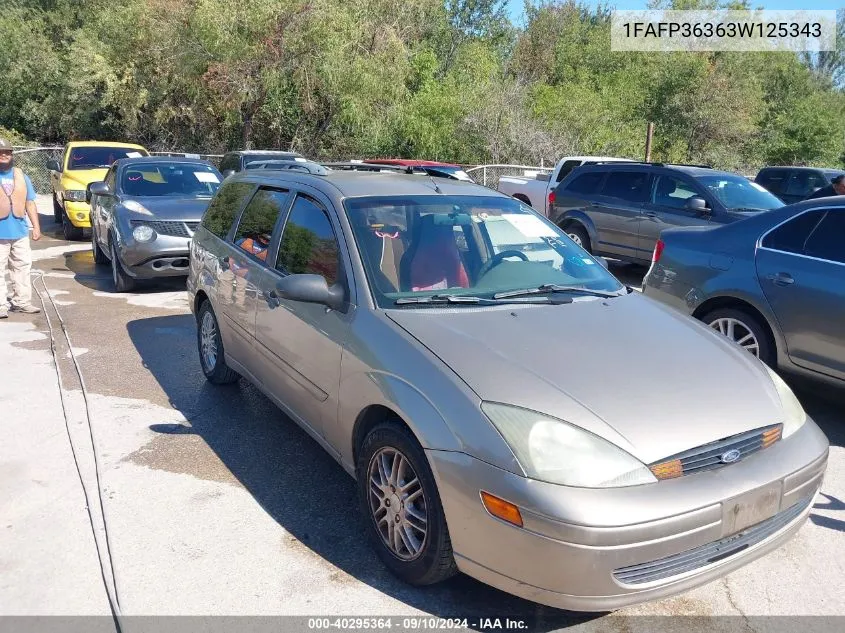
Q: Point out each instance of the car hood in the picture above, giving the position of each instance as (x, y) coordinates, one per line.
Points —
(170, 207)
(651, 380)
(83, 177)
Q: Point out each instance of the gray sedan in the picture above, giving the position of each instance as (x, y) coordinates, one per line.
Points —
(450, 348)
(773, 284)
(144, 213)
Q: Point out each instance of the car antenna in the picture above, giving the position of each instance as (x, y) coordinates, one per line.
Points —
(436, 188)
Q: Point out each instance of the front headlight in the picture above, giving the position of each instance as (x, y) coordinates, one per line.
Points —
(794, 413)
(554, 451)
(143, 233)
(136, 207)
(74, 195)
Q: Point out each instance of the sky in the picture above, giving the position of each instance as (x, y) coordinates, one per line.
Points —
(515, 7)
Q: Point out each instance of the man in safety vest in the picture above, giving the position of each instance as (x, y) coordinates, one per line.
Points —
(17, 201)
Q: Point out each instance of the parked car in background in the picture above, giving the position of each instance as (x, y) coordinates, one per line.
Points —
(144, 214)
(794, 184)
(234, 162)
(82, 163)
(619, 209)
(773, 284)
(538, 192)
(430, 167)
(424, 352)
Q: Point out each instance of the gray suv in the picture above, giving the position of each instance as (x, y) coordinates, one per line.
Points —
(619, 209)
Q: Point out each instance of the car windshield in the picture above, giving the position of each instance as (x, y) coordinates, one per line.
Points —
(100, 157)
(477, 246)
(741, 194)
(170, 179)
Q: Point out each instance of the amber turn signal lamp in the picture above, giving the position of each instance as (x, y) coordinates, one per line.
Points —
(667, 470)
(501, 509)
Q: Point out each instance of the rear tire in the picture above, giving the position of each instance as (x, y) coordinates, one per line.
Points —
(744, 329)
(71, 233)
(210, 347)
(122, 281)
(432, 560)
(578, 234)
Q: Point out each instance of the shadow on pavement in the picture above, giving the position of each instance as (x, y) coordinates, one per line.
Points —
(99, 277)
(298, 484)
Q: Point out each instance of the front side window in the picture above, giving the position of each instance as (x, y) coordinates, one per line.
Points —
(791, 236)
(221, 213)
(827, 241)
(740, 194)
(255, 229)
(803, 183)
(470, 245)
(672, 192)
(309, 244)
(100, 157)
(192, 180)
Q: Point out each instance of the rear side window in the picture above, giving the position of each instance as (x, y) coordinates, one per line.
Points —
(803, 183)
(826, 241)
(221, 213)
(309, 244)
(791, 236)
(775, 180)
(255, 229)
(631, 186)
(588, 183)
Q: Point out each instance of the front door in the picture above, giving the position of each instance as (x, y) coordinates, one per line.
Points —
(801, 268)
(667, 209)
(299, 344)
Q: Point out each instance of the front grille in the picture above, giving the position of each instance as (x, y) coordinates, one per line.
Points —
(711, 456)
(711, 552)
(169, 227)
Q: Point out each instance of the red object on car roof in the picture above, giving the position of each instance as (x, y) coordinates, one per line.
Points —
(407, 162)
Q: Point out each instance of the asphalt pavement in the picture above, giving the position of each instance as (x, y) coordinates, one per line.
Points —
(176, 497)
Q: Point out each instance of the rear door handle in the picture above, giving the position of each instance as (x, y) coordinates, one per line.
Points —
(781, 279)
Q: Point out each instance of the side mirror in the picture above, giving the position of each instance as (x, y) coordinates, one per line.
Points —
(228, 172)
(53, 165)
(310, 289)
(697, 203)
(97, 189)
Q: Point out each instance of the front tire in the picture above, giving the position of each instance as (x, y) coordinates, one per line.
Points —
(399, 498)
(58, 212)
(122, 281)
(745, 330)
(71, 233)
(210, 346)
(100, 257)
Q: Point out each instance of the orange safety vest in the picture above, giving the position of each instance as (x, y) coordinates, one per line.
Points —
(15, 203)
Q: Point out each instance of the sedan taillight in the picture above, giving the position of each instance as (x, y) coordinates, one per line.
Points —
(658, 251)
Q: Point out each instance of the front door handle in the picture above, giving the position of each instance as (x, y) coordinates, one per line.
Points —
(224, 263)
(781, 279)
(273, 299)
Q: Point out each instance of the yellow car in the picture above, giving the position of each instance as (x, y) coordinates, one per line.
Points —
(83, 162)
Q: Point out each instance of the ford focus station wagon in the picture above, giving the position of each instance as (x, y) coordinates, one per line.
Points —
(450, 347)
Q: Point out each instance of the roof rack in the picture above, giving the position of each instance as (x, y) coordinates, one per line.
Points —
(622, 164)
(353, 166)
(294, 165)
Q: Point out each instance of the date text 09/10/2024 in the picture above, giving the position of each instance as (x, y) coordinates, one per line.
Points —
(414, 623)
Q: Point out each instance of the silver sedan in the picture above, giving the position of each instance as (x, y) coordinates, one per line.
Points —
(454, 351)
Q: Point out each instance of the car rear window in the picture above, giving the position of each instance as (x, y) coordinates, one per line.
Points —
(221, 213)
(791, 236)
(588, 183)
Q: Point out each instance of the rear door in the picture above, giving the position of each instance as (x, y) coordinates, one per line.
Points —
(801, 267)
(666, 209)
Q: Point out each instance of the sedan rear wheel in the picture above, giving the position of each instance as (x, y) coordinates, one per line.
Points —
(743, 329)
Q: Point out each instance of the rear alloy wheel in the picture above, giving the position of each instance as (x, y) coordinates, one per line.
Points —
(122, 281)
(743, 329)
(210, 347)
(578, 235)
(399, 498)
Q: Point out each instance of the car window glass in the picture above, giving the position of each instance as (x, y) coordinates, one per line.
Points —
(309, 244)
(790, 237)
(170, 179)
(110, 178)
(672, 192)
(567, 167)
(626, 185)
(803, 183)
(774, 180)
(585, 183)
(255, 229)
(221, 213)
(228, 162)
(827, 241)
(98, 157)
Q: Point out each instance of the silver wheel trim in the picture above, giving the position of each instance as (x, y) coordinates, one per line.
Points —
(208, 341)
(114, 265)
(739, 333)
(397, 503)
(576, 238)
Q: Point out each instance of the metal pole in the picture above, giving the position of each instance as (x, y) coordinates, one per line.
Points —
(648, 138)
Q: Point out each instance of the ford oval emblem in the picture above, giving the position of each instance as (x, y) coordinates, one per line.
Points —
(730, 457)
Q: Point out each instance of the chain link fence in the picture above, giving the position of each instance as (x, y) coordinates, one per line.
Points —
(488, 175)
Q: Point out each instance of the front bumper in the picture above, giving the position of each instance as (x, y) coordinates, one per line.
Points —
(79, 214)
(164, 256)
(577, 543)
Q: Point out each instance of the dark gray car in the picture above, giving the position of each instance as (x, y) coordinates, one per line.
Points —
(773, 283)
(234, 162)
(619, 209)
(794, 184)
(144, 213)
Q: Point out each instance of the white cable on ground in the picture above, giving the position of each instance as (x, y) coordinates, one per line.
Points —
(111, 589)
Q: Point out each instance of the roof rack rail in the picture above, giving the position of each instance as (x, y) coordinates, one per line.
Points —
(315, 169)
(354, 166)
(622, 164)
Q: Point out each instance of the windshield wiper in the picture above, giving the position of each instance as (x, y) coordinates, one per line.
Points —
(466, 299)
(551, 288)
(751, 209)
